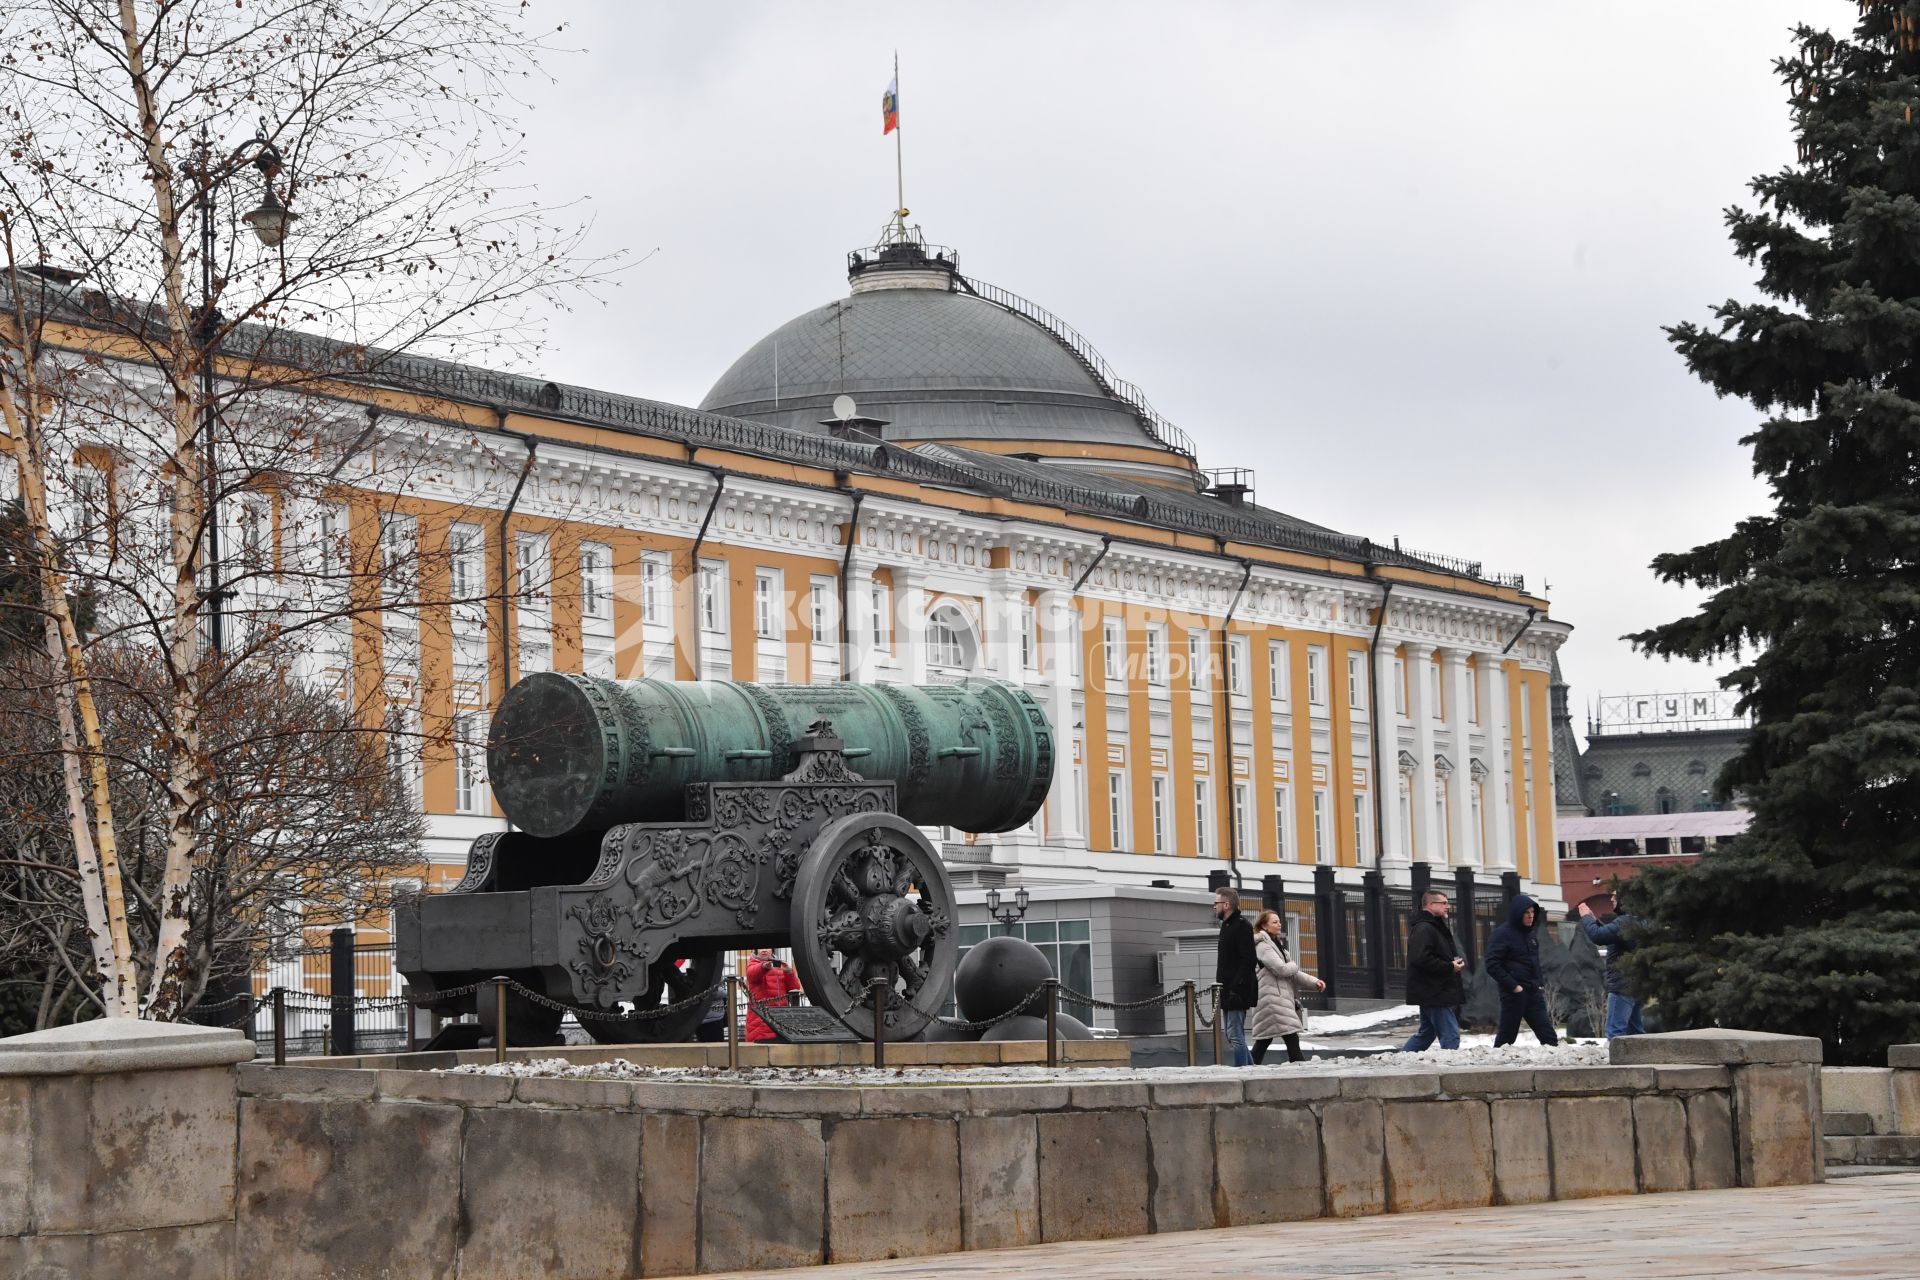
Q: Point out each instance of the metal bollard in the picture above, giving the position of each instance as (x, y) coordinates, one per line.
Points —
(733, 1024)
(499, 1019)
(1053, 1022)
(1193, 1038)
(279, 1026)
(877, 988)
(1219, 1028)
(408, 1012)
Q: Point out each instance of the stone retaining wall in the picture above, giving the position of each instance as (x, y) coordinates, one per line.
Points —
(360, 1172)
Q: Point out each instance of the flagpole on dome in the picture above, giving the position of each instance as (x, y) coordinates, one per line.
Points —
(890, 123)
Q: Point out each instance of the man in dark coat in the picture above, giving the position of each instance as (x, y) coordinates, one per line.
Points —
(1513, 962)
(1615, 934)
(1433, 975)
(1235, 972)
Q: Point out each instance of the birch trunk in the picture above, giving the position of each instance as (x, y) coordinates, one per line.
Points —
(99, 856)
(186, 773)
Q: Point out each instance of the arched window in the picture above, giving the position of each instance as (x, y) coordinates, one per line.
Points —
(1663, 800)
(950, 640)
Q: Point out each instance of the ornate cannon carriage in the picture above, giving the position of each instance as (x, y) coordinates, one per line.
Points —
(662, 824)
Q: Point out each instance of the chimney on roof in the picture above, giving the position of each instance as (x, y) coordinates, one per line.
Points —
(847, 423)
(1231, 485)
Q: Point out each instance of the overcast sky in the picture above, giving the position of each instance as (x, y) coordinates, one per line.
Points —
(1410, 262)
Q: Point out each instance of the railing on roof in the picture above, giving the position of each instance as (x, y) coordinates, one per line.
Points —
(1072, 339)
(1465, 568)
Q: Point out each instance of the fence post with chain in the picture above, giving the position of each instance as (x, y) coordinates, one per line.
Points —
(878, 989)
(1193, 1046)
(279, 1026)
(733, 1022)
(1219, 1029)
(500, 1019)
(1053, 1022)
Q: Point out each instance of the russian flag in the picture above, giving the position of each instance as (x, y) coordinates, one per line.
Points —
(890, 107)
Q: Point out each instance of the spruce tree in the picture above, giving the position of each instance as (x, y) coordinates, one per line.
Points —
(1810, 922)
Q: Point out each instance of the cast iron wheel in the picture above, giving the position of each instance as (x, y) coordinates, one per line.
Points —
(528, 1024)
(667, 983)
(872, 900)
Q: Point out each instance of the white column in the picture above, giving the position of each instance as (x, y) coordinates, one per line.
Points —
(859, 592)
(1466, 840)
(1062, 632)
(1431, 844)
(910, 624)
(1493, 715)
(1000, 624)
(1386, 762)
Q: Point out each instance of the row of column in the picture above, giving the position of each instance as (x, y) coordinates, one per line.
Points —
(1440, 811)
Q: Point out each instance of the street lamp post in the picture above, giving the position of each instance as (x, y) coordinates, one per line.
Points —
(1008, 915)
(269, 221)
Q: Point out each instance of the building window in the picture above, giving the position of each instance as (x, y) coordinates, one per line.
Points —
(1237, 666)
(1322, 846)
(949, 639)
(469, 763)
(819, 612)
(653, 588)
(1362, 832)
(1114, 645)
(596, 581)
(530, 568)
(1202, 819)
(882, 601)
(1197, 661)
(1277, 671)
(1117, 808)
(766, 608)
(1434, 691)
(1282, 820)
(465, 563)
(1029, 639)
(1157, 656)
(1316, 675)
(1243, 842)
(397, 558)
(1162, 838)
(1356, 682)
(335, 550)
(713, 596)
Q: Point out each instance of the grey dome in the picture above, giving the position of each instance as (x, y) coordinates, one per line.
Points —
(934, 364)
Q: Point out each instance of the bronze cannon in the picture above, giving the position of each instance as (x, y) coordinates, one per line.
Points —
(661, 824)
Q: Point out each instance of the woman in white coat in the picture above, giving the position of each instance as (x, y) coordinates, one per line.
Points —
(1278, 1015)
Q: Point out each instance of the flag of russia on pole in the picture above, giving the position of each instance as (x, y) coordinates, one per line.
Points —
(890, 107)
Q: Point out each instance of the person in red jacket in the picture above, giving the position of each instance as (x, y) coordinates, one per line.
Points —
(769, 981)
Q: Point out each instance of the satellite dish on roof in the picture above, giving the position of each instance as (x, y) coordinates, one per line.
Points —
(844, 408)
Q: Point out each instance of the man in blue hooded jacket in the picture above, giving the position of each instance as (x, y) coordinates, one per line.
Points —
(1513, 962)
(1615, 934)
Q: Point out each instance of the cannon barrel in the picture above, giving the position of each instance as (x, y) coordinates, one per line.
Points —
(571, 753)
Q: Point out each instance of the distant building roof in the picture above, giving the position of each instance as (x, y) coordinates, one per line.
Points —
(1630, 826)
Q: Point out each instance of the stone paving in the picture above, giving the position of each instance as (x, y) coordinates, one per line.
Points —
(1856, 1227)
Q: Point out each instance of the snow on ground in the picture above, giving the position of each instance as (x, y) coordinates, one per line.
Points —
(1318, 1023)
(1583, 1054)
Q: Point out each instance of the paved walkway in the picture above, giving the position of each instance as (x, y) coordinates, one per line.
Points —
(1854, 1227)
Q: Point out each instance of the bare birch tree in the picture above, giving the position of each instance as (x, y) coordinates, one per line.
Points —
(217, 213)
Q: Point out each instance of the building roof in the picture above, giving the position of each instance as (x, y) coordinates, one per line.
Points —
(1070, 488)
(1629, 826)
(935, 365)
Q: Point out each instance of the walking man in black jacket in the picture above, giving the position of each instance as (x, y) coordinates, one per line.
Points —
(1433, 975)
(1513, 962)
(1235, 972)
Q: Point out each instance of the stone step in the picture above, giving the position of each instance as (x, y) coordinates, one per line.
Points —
(1879, 1148)
(1846, 1124)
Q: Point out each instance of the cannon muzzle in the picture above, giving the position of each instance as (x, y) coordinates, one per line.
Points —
(571, 753)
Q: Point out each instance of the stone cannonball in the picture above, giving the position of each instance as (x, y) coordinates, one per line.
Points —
(1028, 1027)
(997, 975)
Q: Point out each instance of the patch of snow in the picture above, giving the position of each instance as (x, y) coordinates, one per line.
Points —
(1328, 1022)
(1583, 1054)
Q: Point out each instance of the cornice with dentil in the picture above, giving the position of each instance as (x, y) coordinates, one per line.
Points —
(568, 483)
